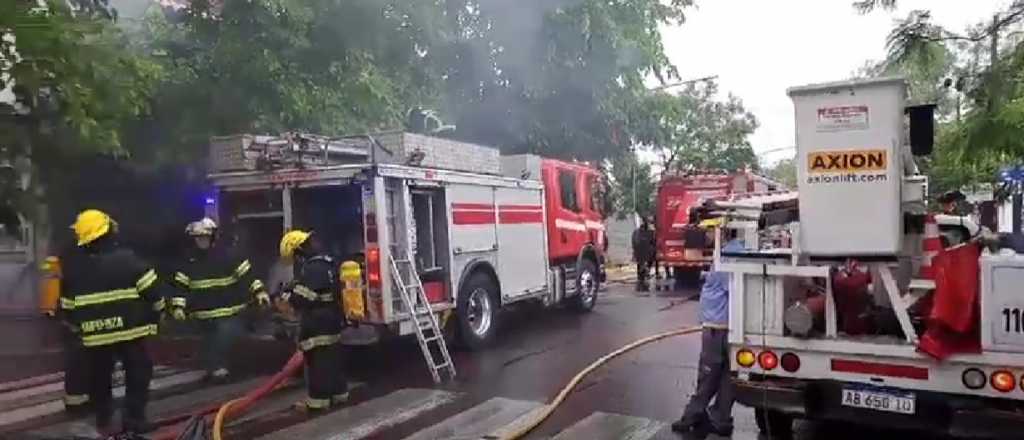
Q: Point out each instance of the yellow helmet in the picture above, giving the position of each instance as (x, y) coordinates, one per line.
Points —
(712, 222)
(92, 224)
(291, 241)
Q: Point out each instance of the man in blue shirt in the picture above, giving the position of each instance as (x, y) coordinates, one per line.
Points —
(713, 378)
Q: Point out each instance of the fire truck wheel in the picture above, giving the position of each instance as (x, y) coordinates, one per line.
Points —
(774, 424)
(477, 310)
(587, 285)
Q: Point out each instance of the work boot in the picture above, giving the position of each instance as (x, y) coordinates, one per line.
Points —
(689, 423)
(311, 405)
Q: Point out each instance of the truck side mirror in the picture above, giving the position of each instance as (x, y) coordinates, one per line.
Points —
(922, 129)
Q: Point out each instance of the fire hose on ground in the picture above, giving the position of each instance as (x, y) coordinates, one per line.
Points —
(234, 406)
(550, 408)
(239, 405)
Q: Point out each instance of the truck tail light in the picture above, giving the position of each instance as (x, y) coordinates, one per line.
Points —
(1003, 381)
(373, 267)
(745, 358)
(974, 378)
(768, 360)
(790, 362)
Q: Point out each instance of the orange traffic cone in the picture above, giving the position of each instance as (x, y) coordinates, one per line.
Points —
(931, 245)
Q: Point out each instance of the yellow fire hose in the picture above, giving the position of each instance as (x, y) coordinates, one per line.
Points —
(550, 408)
(218, 421)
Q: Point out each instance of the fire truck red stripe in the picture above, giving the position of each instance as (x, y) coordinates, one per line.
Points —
(877, 369)
(473, 217)
(520, 217)
(521, 207)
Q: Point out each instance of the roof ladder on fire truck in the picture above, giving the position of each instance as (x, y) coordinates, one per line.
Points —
(424, 320)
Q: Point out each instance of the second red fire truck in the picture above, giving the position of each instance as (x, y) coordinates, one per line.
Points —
(681, 244)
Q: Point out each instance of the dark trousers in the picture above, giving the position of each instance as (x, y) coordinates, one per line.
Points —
(324, 376)
(643, 268)
(138, 370)
(77, 378)
(219, 337)
(713, 381)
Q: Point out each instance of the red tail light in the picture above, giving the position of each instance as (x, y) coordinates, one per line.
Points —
(790, 362)
(1003, 381)
(373, 267)
(768, 360)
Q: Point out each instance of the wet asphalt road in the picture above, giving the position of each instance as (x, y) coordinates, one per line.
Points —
(539, 350)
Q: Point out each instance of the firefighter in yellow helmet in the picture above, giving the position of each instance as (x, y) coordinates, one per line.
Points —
(213, 286)
(109, 297)
(315, 295)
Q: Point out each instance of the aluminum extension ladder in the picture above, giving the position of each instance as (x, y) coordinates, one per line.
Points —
(427, 329)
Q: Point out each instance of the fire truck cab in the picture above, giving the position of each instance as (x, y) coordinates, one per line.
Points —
(480, 231)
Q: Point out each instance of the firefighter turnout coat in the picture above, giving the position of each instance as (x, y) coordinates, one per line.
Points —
(109, 295)
(315, 294)
(214, 284)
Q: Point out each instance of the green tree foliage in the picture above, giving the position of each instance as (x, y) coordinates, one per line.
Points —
(551, 77)
(268, 66)
(975, 77)
(783, 171)
(633, 186)
(692, 130)
(75, 80)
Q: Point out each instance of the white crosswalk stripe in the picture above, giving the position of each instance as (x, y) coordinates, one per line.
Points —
(51, 407)
(599, 426)
(488, 420)
(481, 421)
(367, 418)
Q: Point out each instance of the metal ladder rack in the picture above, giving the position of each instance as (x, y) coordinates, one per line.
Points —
(427, 329)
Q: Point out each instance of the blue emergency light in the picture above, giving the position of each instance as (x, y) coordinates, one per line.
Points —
(1012, 174)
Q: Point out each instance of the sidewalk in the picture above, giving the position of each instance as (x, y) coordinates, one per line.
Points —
(625, 273)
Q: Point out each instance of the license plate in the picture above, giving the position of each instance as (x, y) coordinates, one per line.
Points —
(901, 403)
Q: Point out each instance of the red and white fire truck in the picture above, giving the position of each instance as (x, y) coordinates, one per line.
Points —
(431, 220)
(681, 244)
(872, 314)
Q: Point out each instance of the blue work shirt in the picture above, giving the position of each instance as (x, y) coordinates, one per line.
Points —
(714, 296)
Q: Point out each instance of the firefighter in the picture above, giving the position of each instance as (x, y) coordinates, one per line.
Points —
(314, 294)
(643, 253)
(108, 300)
(213, 287)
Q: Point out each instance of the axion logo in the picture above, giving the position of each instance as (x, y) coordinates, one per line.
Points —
(846, 161)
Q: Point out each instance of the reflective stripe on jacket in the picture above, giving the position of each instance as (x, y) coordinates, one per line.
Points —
(109, 295)
(214, 284)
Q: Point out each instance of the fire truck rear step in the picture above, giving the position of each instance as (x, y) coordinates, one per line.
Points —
(415, 299)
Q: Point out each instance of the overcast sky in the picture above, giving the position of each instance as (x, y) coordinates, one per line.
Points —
(760, 48)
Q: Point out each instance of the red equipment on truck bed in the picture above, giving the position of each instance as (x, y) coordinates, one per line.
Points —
(680, 242)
